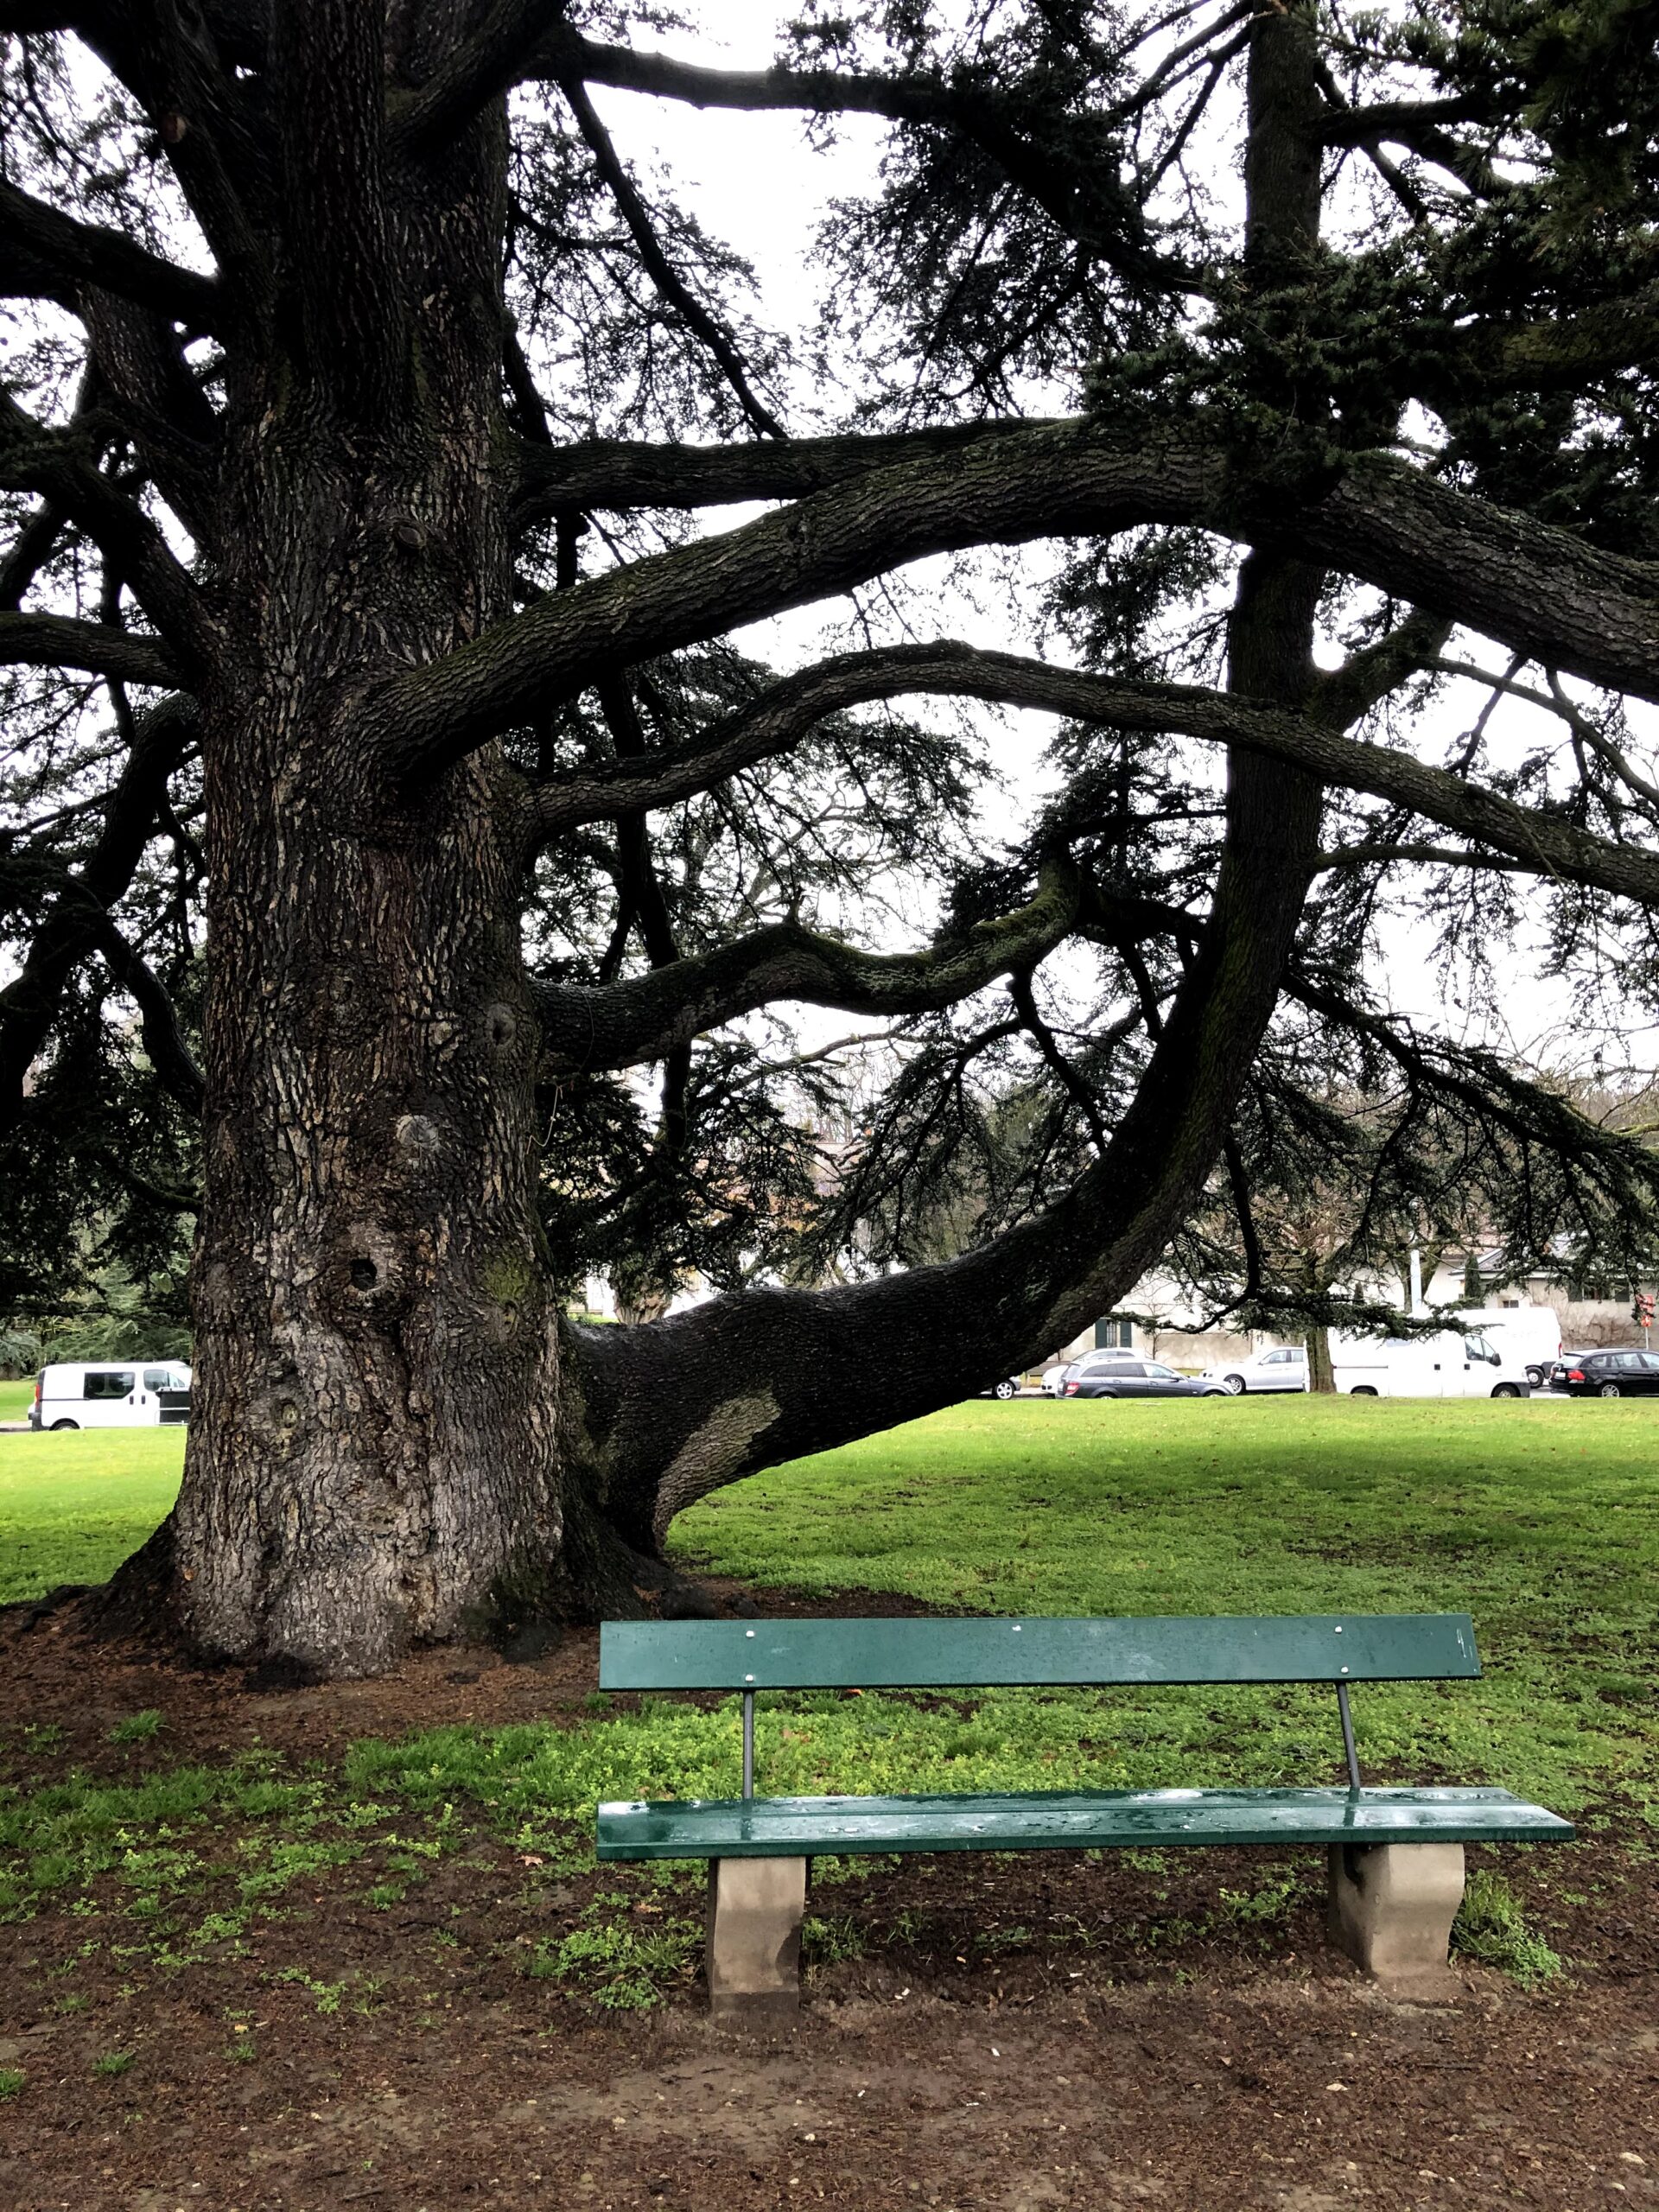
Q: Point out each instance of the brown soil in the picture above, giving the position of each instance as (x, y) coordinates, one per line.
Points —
(1126, 2045)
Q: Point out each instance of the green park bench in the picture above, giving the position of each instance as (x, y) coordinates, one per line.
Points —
(1395, 1855)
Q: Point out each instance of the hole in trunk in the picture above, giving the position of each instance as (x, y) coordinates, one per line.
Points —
(363, 1274)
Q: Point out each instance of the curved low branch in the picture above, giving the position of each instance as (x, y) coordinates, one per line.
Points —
(677, 1408)
(624, 1025)
(1536, 587)
(1548, 844)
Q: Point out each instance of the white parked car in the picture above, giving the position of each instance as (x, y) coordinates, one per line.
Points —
(1444, 1364)
(112, 1394)
(1284, 1368)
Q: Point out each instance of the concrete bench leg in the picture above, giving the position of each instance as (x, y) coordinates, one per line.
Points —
(754, 1949)
(1392, 1906)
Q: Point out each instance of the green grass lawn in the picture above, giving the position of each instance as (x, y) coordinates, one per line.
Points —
(15, 1398)
(1538, 1518)
(73, 1505)
(1541, 1519)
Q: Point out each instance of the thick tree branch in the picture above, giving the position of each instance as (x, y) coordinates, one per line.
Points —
(148, 387)
(691, 1403)
(27, 553)
(1561, 355)
(59, 641)
(1536, 587)
(45, 254)
(164, 1042)
(172, 56)
(626, 1025)
(1086, 194)
(58, 465)
(479, 71)
(1341, 695)
(1548, 844)
(625, 473)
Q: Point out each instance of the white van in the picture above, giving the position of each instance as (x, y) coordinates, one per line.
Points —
(1528, 1336)
(112, 1394)
(1445, 1365)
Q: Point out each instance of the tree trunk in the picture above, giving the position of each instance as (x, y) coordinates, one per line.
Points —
(1321, 1375)
(374, 1455)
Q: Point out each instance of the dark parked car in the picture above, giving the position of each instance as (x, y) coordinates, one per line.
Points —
(1007, 1387)
(1609, 1375)
(1142, 1378)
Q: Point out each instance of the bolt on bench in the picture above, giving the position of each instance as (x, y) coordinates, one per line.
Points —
(1395, 1855)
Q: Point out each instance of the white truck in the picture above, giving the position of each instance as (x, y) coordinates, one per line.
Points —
(1442, 1364)
(112, 1394)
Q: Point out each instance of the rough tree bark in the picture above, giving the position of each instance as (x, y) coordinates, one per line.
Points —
(374, 1458)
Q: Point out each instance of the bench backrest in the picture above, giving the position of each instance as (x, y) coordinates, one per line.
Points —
(933, 1653)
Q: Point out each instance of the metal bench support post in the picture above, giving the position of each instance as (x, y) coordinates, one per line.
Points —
(753, 1949)
(1391, 1909)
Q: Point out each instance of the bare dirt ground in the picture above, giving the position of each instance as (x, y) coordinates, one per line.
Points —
(1153, 2057)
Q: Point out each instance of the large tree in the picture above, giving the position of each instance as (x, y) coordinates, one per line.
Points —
(406, 860)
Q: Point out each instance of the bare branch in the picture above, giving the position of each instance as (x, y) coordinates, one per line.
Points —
(626, 1025)
(662, 272)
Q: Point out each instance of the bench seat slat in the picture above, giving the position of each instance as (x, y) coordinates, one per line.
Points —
(766, 1827)
(946, 1654)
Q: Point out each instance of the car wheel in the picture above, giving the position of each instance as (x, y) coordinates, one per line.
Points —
(1218, 1390)
(1234, 1385)
(1535, 1376)
(1610, 1390)
(1006, 1390)
(65, 1424)
(1506, 1389)
(1362, 1390)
